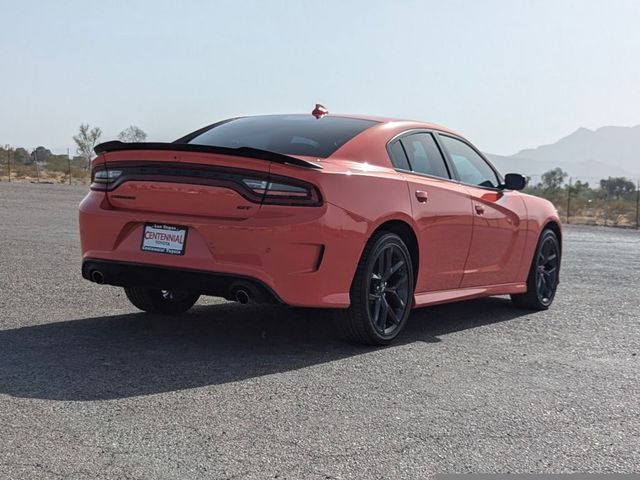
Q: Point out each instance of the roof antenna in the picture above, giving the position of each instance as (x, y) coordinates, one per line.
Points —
(320, 111)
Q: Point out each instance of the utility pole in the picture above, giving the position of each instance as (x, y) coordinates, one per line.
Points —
(35, 159)
(69, 165)
(606, 203)
(569, 200)
(9, 161)
(638, 204)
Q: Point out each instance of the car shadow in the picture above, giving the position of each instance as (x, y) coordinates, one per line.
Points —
(122, 356)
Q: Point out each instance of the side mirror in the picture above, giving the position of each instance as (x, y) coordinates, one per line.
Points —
(514, 181)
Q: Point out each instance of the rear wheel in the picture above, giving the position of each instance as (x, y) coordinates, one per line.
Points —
(167, 302)
(544, 274)
(381, 293)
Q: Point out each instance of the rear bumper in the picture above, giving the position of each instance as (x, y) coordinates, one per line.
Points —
(123, 274)
(300, 256)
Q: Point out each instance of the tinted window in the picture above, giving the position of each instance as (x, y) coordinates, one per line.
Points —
(286, 134)
(471, 167)
(398, 157)
(424, 155)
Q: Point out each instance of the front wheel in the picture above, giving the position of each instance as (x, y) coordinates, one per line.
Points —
(381, 293)
(166, 302)
(544, 274)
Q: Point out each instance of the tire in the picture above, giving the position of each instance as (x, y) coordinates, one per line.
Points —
(383, 285)
(166, 302)
(544, 274)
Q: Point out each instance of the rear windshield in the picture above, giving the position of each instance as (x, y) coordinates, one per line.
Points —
(285, 134)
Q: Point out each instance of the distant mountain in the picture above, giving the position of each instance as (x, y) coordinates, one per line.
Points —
(607, 151)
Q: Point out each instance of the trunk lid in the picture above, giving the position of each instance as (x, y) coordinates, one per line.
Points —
(187, 179)
(185, 183)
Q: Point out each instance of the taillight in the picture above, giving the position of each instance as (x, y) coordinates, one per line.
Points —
(102, 177)
(283, 191)
(256, 187)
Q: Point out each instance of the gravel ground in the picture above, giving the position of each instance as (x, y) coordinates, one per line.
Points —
(89, 388)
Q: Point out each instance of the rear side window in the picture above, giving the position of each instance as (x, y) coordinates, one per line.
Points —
(471, 167)
(398, 157)
(285, 134)
(424, 155)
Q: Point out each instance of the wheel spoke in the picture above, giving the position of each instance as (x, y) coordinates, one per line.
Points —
(393, 269)
(392, 314)
(379, 268)
(376, 310)
(398, 298)
(388, 260)
(384, 311)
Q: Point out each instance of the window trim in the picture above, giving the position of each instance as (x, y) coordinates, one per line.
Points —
(453, 173)
(413, 131)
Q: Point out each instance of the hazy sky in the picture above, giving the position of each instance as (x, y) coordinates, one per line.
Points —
(508, 74)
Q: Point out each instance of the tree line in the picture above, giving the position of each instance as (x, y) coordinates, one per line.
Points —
(554, 182)
(611, 201)
(85, 140)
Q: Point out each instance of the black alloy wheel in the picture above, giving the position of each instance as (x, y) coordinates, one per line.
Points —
(547, 270)
(544, 275)
(388, 289)
(381, 293)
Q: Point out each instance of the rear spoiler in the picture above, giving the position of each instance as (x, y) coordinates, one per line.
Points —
(247, 152)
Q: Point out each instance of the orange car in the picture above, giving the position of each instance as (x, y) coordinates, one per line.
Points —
(368, 216)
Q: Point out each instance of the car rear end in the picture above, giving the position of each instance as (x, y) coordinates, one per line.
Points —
(228, 220)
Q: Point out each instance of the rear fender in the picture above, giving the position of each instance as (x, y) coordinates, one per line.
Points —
(368, 196)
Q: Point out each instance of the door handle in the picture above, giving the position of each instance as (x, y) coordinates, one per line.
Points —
(479, 209)
(423, 197)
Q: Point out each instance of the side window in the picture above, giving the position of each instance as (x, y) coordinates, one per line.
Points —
(424, 155)
(398, 157)
(471, 167)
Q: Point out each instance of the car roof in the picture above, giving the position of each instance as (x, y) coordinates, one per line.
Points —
(388, 121)
(367, 146)
(401, 122)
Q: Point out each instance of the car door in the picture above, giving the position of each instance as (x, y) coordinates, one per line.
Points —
(498, 217)
(441, 209)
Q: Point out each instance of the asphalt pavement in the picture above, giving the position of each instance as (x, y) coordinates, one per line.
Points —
(91, 388)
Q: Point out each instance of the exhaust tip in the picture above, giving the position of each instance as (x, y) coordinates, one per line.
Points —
(242, 296)
(97, 277)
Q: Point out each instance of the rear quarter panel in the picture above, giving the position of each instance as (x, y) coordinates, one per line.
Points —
(363, 196)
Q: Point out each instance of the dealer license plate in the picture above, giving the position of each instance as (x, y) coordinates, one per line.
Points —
(162, 238)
